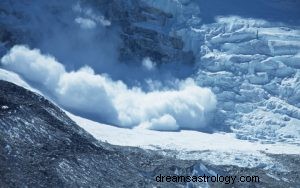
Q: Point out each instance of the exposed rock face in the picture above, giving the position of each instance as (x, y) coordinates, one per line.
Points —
(144, 31)
(41, 146)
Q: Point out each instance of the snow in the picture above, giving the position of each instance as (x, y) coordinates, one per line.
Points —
(148, 64)
(4, 107)
(217, 148)
(273, 176)
(251, 64)
(187, 106)
(85, 23)
(15, 78)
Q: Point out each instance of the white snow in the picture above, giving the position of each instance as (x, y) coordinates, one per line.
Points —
(85, 23)
(89, 18)
(148, 64)
(15, 78)
(217, 148)
(186, 107)
(251, 65)
(4, 107)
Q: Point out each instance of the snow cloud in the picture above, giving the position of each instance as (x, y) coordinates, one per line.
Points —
(33, 66)
(148, 64)
(85, 23)
(91, 18)
(187, 106)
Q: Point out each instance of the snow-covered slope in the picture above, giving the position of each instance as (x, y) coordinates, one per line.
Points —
(217, 148)
(14, 78)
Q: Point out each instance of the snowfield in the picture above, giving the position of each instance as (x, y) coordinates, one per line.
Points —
(217, 148)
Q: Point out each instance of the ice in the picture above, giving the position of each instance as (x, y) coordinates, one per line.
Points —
(259, 78)
(282, 47)
(251, 64)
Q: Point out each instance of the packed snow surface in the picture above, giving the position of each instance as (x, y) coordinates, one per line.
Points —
(217, 148)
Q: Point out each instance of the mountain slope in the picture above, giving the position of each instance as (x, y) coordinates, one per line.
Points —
(41, 146)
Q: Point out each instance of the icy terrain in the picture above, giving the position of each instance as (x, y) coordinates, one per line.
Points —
(251, 64)
(217, 148)
(253, 68)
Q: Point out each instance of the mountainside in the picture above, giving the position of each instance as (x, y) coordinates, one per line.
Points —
(40, 146)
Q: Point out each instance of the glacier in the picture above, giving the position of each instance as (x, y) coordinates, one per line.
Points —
(251, 64)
